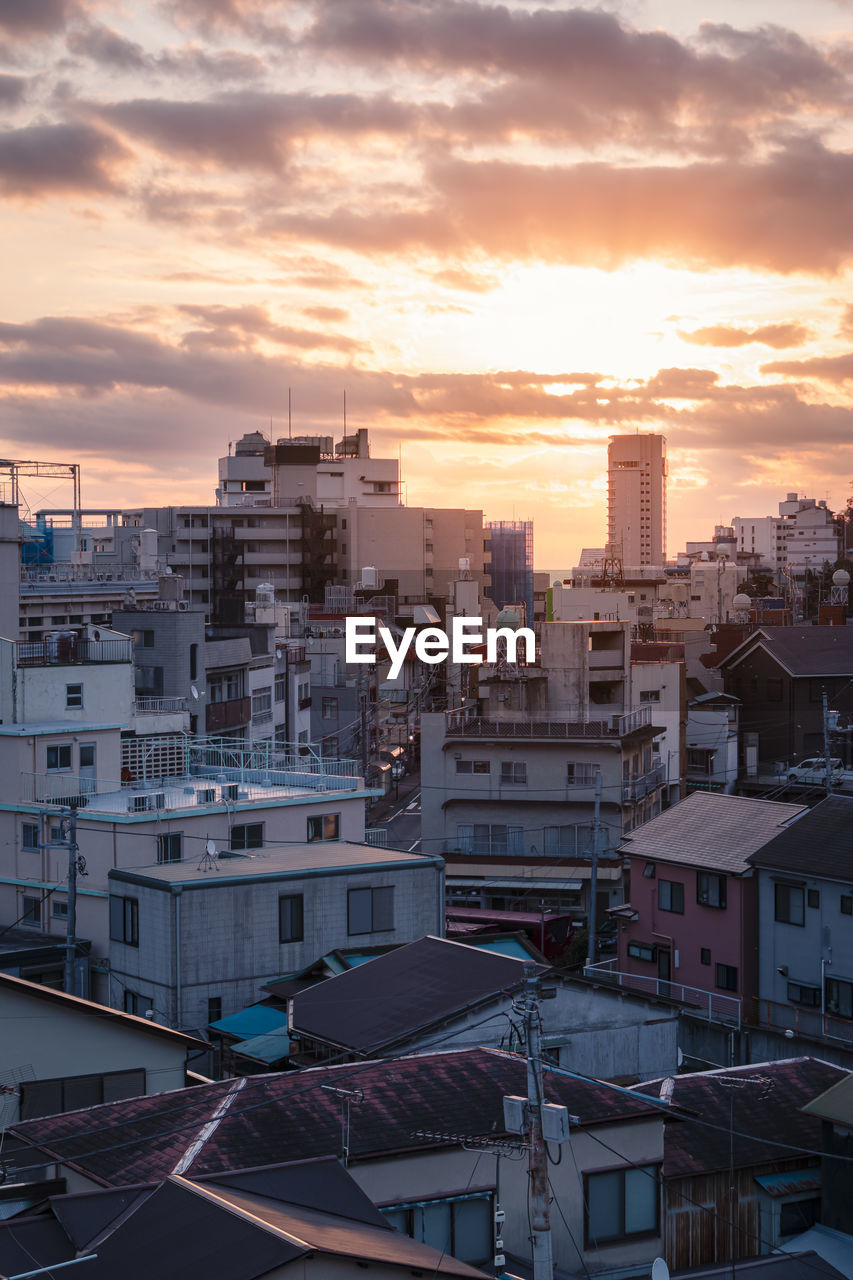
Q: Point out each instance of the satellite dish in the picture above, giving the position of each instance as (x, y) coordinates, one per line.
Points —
(194, 691)
(660, 1271)
(210, 850)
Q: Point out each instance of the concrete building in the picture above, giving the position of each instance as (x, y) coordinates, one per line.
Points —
(509, 781)
(659, 681)
(511, 544)
(712, 742)
(803, 536)
(636, 498)
(805, 905)
(199, 941)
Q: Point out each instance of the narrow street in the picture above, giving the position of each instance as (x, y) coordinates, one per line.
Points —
(400, 814)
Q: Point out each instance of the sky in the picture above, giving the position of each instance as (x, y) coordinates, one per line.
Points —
(503, 232)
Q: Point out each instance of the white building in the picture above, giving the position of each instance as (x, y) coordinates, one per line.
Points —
(636, 497)
(803, 536)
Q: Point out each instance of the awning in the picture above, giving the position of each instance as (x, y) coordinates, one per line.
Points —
(792, 1183)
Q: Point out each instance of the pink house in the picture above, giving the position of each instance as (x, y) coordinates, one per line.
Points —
(690, 918)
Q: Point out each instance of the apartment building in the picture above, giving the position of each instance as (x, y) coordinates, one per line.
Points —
(636, 497)
(510, 780)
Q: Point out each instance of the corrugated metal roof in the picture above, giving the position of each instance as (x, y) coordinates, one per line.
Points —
(710, 829)
(791, 1183)
(254, 1020)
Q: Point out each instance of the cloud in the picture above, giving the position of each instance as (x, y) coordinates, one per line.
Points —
(110, 49)
(769, 335)
(241, 326)
(56, 159)
(12, 90)
(27, 18)
(107, 47)
(827, 368)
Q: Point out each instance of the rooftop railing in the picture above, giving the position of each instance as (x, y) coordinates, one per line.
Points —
(66, 648)
(706, 1004)
(459, 723)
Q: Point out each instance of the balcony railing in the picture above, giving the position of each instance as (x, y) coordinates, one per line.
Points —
(706, 1004)
(158, 706)
(643, 784)
(462, 725)
(68, 649)
(227, 715)
(376, 836)
(811, 1023)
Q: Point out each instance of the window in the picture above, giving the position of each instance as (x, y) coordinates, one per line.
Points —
(135, 1003)
(59, 757)
(621, 1203)
(59, 910)
(214, 1009)
(671, 896)
(329, 708)
(704, 955)
(30, 836)
(798, 993)
(248, 835)
(291, 918)
(170, 847)
(370, 910)
(87, 755)
(813, 897)
(193, 661)
(280, 686)
(726, 977)
(462, 1227)
(483, 837)
(650, 695)
(642, 951)
(74, 695)
(789, 904)
(262, 705)
(847, 904)
(581, 773)
(710, 889)
(143, 639)
(798, 1215)
(324, 826)
(514, 772)
(839, 997)
(124, 921)
(49, 1097)
(31, 911)
(473, 766)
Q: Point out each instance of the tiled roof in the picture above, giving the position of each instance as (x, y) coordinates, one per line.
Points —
(766, 1107)
(802, 651)
(290, 1116)
(710, 829)
(817, 844)
(384, 1002)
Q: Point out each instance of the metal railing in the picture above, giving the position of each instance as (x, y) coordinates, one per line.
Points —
(376, 836)
(707, 1004)
(158, 706)
(643, 784)
(68, 649)
(811, 1023)
(459, 723)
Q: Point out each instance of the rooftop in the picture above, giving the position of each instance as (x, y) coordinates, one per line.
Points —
(802, 651)
(460, 724)
(711, 829)
(274, 862)
(291, 1116)
(765, 1111)
(404, 991)
(835, 1105)
(817, 844)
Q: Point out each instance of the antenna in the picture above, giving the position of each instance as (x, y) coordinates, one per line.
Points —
(289, 417)
(345, 410)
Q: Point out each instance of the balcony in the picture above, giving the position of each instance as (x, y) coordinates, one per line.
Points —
(67, 649)
(230, 714)
(643, 784)
(158, 706)
(711, 1005)
(459, 724)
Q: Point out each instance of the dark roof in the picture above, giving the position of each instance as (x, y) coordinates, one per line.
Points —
(387, 1000)
(237, 1226)
(836, 1104)
(768, 1112)
(75, 1004)
(779, 1266)
(802, 651)
(287, 1116)
(710, 829)
(817, 844)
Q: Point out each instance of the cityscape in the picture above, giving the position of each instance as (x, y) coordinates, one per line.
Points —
(426, 640)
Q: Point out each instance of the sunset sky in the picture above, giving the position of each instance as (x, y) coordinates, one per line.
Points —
(505, 231)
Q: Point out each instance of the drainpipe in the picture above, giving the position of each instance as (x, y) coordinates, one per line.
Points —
(178, 998)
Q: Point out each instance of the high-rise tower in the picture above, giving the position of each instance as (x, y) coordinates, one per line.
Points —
(636, 497)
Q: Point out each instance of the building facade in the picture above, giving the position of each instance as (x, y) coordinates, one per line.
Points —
(636, 498)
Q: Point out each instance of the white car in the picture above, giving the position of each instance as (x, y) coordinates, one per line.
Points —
(814, 770)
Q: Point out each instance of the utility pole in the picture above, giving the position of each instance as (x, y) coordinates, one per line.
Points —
(540, 1221)
(593, 875)
(70, 842)
(826, 748)
(364, 742)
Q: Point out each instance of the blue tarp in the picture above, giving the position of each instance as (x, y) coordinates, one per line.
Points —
(254, 1020)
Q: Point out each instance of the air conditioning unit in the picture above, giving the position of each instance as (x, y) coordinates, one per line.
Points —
(206, 796)
(183, 606)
